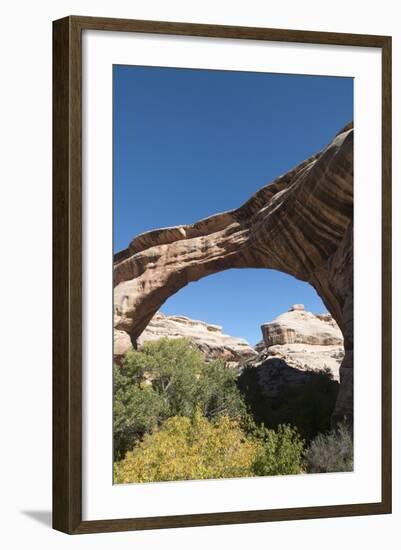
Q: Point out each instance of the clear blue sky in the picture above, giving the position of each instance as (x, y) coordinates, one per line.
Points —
(191, 143)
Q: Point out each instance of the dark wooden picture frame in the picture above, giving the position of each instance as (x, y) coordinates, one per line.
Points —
(67, 274)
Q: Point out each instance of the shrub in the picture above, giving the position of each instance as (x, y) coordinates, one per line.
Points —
(279, 452)
(331, 452)
(184, 448)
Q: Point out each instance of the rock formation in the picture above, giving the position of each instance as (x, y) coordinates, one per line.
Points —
(209, 339)
(298, 326)
(303, 341)
(295, 377)
(305, 357)
(300, 224)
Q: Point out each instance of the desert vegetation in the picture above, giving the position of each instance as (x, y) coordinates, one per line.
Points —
(332, 451)
(177, 417)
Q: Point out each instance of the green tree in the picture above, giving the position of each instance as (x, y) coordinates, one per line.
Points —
(174, 366)
(218, 393)
(184, 448)
(280, 452)
(137, 410)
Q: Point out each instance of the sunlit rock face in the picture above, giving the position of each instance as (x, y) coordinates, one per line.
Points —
(298, 326)
(304, 341)
(300, 224)
(209, 339)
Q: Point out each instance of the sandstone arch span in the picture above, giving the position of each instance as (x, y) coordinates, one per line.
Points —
(301, 224)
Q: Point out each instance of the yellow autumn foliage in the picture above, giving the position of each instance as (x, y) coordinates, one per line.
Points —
(189, 448)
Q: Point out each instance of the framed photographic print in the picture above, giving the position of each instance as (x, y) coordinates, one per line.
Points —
(222, 274)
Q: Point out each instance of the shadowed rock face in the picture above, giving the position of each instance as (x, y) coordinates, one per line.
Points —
(278, 392)
(300, 224)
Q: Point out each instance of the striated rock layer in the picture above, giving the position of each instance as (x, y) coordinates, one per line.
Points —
(209, 339)
(298, 326)
(300, 224)
(303, 341)
(305, 357)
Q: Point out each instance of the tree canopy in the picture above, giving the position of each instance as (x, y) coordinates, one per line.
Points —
(189, 448)
(179, 417)
(169, 378)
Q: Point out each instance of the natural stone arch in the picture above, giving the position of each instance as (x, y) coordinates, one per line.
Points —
(300, 224)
